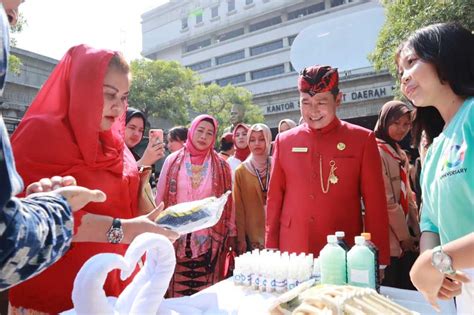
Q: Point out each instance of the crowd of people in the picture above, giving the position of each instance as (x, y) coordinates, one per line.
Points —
(82, 174)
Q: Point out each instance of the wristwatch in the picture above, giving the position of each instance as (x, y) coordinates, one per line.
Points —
(442, 261)
(115, 233)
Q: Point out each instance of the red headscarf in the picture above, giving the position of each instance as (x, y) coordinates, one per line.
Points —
(318, 79)
(60, 135)
(241, 154)
(198, 156)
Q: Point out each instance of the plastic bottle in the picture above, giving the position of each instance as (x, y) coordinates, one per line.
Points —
(292, 281)
(316, 274)
(375, 250)
(332, 259)
(340, 240)
(361, 264)
(238, 276)
(281, 276)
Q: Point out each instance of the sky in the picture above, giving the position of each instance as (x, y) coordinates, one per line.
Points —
(53, 26)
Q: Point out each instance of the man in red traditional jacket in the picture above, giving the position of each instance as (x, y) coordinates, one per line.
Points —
(320, 172)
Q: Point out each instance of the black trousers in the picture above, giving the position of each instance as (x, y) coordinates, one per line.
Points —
(397, 275)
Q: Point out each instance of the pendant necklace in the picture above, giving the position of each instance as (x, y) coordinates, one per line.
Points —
(264, 188)
(332, 178)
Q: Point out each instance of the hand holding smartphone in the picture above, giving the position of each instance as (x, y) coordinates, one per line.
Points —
(156, 135)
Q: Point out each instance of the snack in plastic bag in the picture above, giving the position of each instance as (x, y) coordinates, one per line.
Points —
(192, 216)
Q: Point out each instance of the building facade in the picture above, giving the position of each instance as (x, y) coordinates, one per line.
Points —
(21, 88)
(247, 43)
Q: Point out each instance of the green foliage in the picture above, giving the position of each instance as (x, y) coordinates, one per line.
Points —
(14, 63)
(17, 28)
(217, 101)
(403, 17)
(170, 91)
(162, 88)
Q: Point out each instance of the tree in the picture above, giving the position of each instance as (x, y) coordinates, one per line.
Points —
(217, 101)
(162, 88)
(14, 63)
(404, 17)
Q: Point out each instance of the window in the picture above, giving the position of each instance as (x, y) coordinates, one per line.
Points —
(184, 23)
(198, 45)
(305, 11)
(230, 34)
(215, 12)
(230, 5)
(199, 18)
(291, 39)
(231, 80)
(335, 3)
(230, 57)
(248, 2)
(267, 72)
(266, 23)
(200, 65)
(260, 49)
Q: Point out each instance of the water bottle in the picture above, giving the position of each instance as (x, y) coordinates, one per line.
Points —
(332, 260)
(316, 274)
(375, 250)
(340, 240)
(361, 265)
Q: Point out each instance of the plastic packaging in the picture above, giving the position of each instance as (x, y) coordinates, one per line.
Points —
(192, 216)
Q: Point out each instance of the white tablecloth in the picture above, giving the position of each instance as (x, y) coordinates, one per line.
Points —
(225, 298)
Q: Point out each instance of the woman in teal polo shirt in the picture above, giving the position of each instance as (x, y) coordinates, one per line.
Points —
(436, 68)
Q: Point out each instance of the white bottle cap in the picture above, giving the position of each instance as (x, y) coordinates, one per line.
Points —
(340, 234)
(359, 240)
(332, 239)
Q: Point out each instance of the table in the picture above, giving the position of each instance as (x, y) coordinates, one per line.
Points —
(226, 298)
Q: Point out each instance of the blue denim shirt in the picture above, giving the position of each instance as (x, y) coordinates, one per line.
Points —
(35, 231)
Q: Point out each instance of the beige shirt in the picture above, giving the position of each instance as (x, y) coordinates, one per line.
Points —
(398, 221)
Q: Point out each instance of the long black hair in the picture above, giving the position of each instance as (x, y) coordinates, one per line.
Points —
(449, 47)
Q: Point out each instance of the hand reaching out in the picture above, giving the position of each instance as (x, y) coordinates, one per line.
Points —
(49, 184)
(77, 197)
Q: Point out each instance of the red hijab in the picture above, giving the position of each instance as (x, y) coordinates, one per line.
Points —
(198, 156)
(60, 135)
(241, 154)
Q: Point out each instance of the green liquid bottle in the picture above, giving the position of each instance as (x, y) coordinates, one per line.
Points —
(361, 265)
(332, 259)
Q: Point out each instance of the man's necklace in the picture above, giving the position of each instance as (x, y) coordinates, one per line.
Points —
(332, 178)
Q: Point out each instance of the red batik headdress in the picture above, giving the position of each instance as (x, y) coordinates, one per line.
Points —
(318, 79)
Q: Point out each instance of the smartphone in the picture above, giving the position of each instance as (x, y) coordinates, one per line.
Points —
(156, 135)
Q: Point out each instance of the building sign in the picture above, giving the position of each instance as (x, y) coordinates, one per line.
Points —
(288, 106)
(348, 96)
(367, 94)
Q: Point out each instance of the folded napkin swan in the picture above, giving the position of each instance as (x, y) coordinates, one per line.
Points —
(143, 295)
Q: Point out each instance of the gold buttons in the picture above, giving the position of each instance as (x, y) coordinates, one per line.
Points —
(341, 146)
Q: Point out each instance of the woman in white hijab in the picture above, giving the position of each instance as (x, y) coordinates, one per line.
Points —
(250, 189)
